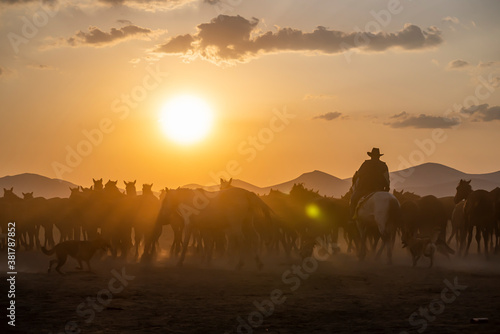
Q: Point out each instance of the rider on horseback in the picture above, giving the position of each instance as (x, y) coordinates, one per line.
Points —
(372, 176)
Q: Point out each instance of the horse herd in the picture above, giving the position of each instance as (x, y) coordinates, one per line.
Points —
(235, 223)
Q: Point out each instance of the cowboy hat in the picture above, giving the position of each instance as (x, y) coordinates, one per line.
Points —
(375, 152)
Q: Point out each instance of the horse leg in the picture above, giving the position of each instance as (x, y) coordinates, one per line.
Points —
(478, 239)
(469, 239)
(486, 237)
(362, 248)
(185, 245)
(453, 233)
(137, 241)
(379, 252)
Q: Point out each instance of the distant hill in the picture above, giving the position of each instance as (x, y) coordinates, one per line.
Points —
(425, 179)
(325, 183)
(41, 186)
(439, 180)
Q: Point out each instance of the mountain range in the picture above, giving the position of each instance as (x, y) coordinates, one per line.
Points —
(425, 179)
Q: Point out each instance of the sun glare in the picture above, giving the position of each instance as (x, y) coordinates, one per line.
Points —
(186, 119)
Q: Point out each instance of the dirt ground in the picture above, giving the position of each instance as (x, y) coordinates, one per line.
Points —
(324, 294)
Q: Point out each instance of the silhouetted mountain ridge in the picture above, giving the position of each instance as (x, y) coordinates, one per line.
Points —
(41, 186)
(425, 179)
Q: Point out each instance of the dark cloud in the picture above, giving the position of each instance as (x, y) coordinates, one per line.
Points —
(97, 37)
(488, 63)
(483, 112)
(235, 38)
(20, 2)
(458, 64)
(401, 114)
(329, 116)
(178, 44)
(422, 121)
(158, 4)
(41, 67)
(127, 22)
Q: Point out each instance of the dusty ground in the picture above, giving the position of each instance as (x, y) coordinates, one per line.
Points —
(341, 295)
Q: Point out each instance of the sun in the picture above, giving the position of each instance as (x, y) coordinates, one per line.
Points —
(186, 119)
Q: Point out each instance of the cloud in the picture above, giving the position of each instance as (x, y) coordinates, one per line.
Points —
(97, 37)
(329, 116)
(401, 114)
(318, 97)
(21, 2)
(151, 5)
(488, 63)
(483, 112)
(127, 22)
(177, 45)
(422, 121)
(41, 67)
(451, 19)
(236, 39)
(457, 64)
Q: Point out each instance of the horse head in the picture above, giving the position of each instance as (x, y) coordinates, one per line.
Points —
(130, 188)
(97, 184)
(74, 192)
(147, 189)
(28, 195)
(463, 190)
(224, 184)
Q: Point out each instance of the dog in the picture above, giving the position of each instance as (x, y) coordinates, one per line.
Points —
(420, 246)
(80, 250)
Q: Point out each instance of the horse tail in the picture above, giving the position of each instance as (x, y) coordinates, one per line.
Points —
(48, 252)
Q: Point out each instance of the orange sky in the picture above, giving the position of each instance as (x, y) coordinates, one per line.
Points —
(294, 86)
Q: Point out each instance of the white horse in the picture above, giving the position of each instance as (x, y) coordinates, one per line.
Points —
(378, 213)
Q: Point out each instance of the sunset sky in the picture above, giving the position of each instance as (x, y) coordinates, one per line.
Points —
(294, 86)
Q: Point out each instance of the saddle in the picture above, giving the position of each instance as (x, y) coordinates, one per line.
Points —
(361, 201)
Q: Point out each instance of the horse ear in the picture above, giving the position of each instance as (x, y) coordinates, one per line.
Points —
(230, 180)
(221, 180)
(468, 182)
(11, 188)
(124, 182)
(135, 182)
(93, 180)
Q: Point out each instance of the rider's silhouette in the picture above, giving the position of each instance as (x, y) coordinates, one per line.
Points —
(373, 175)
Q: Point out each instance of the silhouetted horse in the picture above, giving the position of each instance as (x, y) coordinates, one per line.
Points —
(378, 213)
(232, 212)
(424, 217)
(479, 212)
